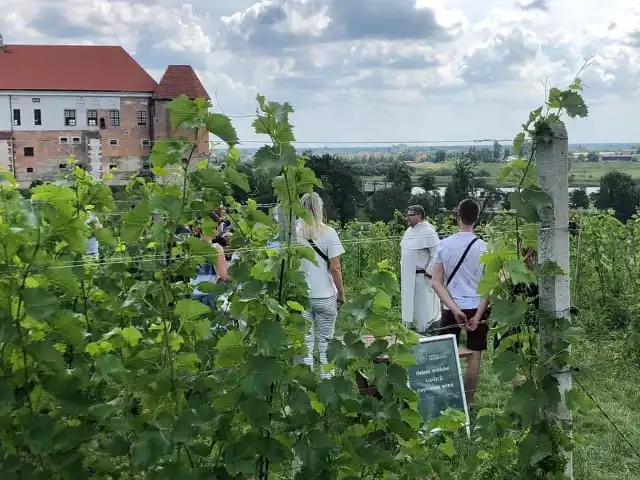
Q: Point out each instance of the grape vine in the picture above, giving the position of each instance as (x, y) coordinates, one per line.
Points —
(537, 441)
(110, 370)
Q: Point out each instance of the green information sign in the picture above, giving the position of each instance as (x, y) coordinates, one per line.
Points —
(437, 377)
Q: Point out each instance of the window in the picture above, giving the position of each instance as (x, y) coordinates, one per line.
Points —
(28, 151)
(75, 140)
(16, 117)
(141, 115)
(63, 140)
(29, 169)
(113, 167)
(114, 143)
(70, 118)
(35, 100)
(37, 117)
(62, 166)
(92, 118)
(114, 118)
(146, 143)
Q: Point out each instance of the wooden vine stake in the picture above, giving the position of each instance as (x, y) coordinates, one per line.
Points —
(552, 167)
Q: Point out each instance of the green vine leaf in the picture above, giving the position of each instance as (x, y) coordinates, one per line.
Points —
(39, 303)
(135, 221)
(574, 104)
(62, 277)
(131, 335)
(509, 312)
(530, 203)
(168, 151)
(270, 336)
(271, 159)
(190, 309)
(220, 126)
(240, 180)
(517, 142)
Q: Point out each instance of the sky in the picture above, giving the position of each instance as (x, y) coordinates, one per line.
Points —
(366, 71)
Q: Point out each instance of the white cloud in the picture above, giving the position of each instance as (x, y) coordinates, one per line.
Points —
(373, 69)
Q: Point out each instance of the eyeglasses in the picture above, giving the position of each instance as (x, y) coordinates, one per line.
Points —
(412, 214)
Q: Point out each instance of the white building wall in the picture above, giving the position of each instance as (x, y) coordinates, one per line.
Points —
(52, 106)
(5, 113)
(5, 155)
(52, 111)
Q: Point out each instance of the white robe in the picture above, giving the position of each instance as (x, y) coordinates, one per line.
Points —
(420, 304)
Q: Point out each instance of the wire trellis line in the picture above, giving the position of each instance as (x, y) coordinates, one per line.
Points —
(115, 260)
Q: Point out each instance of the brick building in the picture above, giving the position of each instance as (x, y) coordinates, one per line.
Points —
(95, 102)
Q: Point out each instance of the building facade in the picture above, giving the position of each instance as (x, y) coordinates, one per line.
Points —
(93, 102)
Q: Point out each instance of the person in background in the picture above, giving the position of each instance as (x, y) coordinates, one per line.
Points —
(224, 224)
(326, 290)
(208, 272)
(93, 246)
(420, 304)
(457, 270)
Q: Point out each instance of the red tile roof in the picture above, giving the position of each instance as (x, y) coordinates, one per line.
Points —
(72, 68)
(180, 80)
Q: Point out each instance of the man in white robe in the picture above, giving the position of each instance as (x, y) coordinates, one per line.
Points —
(420, 304)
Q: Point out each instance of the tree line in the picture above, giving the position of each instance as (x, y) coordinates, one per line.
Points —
(345, 199)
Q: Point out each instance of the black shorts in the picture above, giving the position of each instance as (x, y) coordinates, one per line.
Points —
(476, 340)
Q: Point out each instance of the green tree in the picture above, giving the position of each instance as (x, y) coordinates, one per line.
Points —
(462, 184)
(593, 157)
(488, 197)
(427, 181)
(578, 198)
(341, 187)
(618, 192)
(260, 188)
(441, 156)
(506, 154)
(484, 155)
(497, 150)
(399, 174)
(383, 203)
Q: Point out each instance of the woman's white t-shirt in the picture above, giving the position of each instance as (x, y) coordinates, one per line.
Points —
(319, 277)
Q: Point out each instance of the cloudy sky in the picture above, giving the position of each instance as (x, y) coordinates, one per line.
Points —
(373, 70)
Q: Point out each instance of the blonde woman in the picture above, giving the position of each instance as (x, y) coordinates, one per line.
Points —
(326, 291)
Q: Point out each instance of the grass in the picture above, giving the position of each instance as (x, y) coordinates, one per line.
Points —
(581, 174)
(608, 376)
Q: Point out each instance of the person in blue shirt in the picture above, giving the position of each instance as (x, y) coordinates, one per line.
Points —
(208, 272)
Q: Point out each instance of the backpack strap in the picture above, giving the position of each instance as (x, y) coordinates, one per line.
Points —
(323, 255)
(464, 255)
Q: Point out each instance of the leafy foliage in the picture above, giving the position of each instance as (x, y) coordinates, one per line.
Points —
(619, 193)
(541, 449)
(109, 369)
(341, 188)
